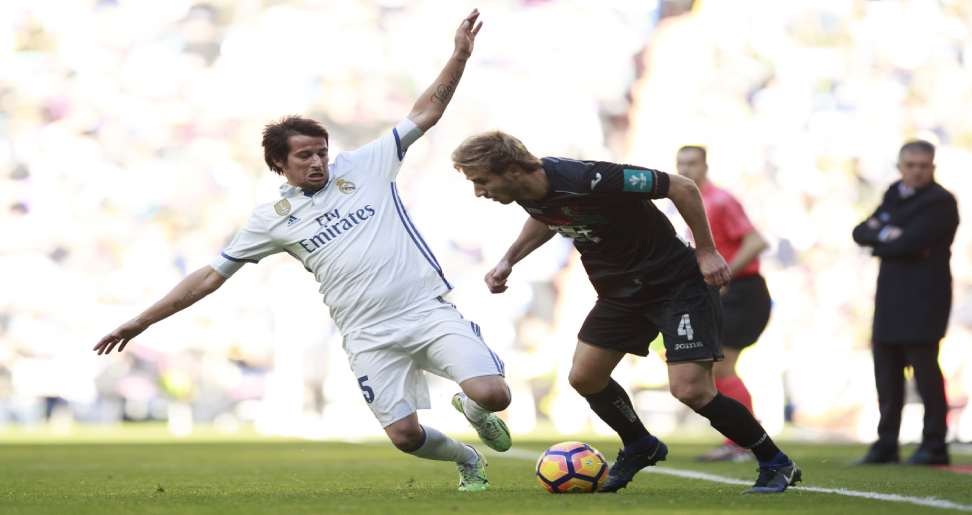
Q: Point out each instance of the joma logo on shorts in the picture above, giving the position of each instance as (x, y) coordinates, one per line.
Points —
(687, 346)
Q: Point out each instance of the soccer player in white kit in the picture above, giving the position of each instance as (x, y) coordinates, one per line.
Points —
(347, 224)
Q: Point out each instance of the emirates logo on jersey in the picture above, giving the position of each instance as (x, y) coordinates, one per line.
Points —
(333, 226)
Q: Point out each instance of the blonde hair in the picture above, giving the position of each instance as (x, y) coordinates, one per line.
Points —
(495, 152)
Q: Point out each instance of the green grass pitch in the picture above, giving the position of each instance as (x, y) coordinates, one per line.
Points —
(85, 475)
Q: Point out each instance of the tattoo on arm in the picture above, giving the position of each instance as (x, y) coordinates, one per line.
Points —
(443, 92)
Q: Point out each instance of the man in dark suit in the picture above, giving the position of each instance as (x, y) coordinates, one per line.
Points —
(912, 232)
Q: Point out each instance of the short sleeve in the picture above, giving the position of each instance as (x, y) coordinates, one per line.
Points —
(611, 178)
(384, 155)
(251, 244)
(734, 220)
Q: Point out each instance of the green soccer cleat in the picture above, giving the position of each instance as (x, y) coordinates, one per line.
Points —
(472, 476)
(492, 430)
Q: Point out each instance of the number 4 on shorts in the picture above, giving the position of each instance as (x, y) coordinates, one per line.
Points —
(685, 327)
(367, 391)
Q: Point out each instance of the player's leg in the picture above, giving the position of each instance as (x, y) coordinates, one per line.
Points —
(691, 324)
(590, 376)
(427, 442)
(693, 384)
(394, 388)
(411, 437)
(612, 329)
(923, 358)
(481, 397)
(728, 383)
(746, 307)
(454, 348)
(478, 401)
(485, 394)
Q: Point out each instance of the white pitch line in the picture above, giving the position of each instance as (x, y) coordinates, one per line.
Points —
(932, 502)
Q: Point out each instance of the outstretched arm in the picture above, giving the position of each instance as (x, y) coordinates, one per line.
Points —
(194, 287)
(687, 199)
(430, 106)
(533, 235)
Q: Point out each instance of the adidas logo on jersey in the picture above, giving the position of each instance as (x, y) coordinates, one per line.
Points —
(291, 220)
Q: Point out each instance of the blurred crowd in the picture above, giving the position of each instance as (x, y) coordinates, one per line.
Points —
(130, 153)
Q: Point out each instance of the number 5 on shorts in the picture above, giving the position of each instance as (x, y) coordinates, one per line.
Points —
(369, 394)
(684, 327)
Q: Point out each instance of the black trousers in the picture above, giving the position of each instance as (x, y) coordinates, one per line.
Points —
(890, 361)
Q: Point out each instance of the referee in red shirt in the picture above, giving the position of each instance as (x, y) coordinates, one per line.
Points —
(745, 300)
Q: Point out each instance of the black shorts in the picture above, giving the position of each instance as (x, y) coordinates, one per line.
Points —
(690, 321)
(746, 310)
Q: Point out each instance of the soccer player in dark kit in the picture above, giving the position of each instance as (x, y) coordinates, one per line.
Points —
(647, 280)
(746, 302)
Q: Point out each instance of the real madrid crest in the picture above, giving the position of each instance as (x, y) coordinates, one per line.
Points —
(345, 186)
(282, 207)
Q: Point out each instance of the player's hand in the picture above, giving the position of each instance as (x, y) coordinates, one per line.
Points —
(466, 35)
(496, 278)
(714, 268)
(120, 337)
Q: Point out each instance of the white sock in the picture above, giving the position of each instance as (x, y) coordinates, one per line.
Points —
(474, 411)
(438, 446)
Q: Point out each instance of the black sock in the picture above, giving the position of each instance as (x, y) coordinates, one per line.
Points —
(736, 423)
(614, 407)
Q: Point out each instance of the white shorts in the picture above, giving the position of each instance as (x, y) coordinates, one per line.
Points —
(435, 338)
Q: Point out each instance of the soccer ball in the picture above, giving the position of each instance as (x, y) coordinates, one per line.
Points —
(571, 467)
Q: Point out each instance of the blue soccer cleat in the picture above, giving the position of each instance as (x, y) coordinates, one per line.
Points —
(775, 478)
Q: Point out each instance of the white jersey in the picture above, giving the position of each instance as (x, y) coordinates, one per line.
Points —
(353, 235)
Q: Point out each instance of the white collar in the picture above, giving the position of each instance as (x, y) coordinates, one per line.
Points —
(905, 191)
(289, 190)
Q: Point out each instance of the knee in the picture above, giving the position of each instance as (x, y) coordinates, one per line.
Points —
(406, 437)
(494, 398)
(585, 383)
(693, 395)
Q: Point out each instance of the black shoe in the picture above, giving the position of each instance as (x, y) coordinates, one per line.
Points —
(923, 456)
(878, 455)
(628, 464)
(774, 479)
